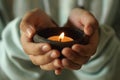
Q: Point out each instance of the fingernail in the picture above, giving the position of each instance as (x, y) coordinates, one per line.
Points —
(53, 54)
(29, 32)
(46, 48)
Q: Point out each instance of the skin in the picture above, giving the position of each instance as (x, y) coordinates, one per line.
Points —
(43, 55)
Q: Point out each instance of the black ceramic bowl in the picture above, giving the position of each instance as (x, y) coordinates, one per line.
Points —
(74, 33)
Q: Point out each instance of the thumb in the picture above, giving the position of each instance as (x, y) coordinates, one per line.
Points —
(30, 31)
(88, 30)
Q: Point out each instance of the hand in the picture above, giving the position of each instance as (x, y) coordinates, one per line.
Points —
(78, 55)
(40, 53)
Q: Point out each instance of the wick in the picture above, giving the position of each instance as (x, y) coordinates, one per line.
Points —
(60, 40)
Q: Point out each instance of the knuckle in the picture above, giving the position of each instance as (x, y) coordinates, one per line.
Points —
(34, 62)
(42, 67)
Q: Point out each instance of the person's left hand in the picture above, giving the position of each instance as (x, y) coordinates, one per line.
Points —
(79, 54)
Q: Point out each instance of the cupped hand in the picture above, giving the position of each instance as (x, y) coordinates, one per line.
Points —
(41, 54)
(79, 54)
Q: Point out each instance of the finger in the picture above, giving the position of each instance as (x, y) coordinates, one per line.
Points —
(90, 48)
(36, 19)
(89, 23)
(84, 20)
(46, 58)
(88, 30)
(34, 48)
(58, 71)
(84, 50)
(51, 66)
(90, 27)
(74, 56)
(70, 65)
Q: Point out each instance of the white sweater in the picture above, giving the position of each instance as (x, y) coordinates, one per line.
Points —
(15, 64)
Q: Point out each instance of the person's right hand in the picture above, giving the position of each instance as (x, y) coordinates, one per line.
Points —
(40, 53)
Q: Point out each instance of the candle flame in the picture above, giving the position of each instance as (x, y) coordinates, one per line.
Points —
(61, 37)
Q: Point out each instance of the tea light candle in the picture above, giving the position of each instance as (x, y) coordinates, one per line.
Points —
(67, 38)
(61, 38)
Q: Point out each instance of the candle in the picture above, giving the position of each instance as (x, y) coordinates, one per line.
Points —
(61, 38)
